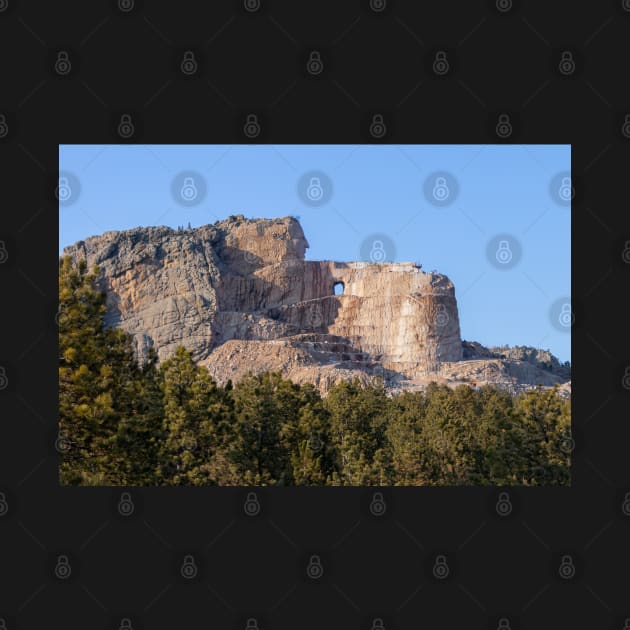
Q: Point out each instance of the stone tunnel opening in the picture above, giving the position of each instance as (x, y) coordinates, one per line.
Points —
(338, 288)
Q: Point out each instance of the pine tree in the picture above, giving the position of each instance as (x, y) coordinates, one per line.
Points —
(98, 379)
(259, 449)
(544, 431)
(358, 431)
(196, 419)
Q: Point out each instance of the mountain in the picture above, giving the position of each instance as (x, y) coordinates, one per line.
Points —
(240, 296)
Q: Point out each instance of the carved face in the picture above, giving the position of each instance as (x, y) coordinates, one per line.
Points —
(298, 240)
(300, 245)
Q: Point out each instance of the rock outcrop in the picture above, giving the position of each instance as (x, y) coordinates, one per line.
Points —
(240, 296)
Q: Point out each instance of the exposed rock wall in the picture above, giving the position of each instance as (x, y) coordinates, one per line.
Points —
(248, 280)
(241, 296)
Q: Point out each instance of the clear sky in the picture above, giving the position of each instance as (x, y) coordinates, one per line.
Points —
(496, 219)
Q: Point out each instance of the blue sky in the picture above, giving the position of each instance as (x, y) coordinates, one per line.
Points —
(448, 207)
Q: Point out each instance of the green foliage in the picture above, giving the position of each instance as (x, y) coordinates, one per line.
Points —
(108, 406)
(173, 425)
(197, 423)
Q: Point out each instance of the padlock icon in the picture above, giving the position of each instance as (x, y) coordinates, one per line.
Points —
(4, 379)
(4, 128)
(504, 624)
(625, 506)
(189, 63)
(126, 5)
(440, 568)
(567, 444)
(62, 568)
(125, 505)
(252, 126)
(504, 505)
(626, 5)
(252, 624)
(625, 381)
(504, 5)
(251, 505)
(314, 569)
(378, 5)
(377, 253)
(378, 624)
(504, 253)
(440, 63)
(567, 63)
(315, 192)
(378, 505)
(4, 5)
(315, 442)
(251, 5)
(189, 191)
(504, 126)
(63, 192)
(441, 191)
(377, 128)
(4, 506)
(315, 316)
(625, 128)
(126, 127)
(62, 443)
(62, 63)
(441, 317)
(4, 254)
(315, 65)
(625, 255)
(125, 624)
(566, 315)
(566, 568)
(566, 192)
(626, 623)
(189, 568)
(61, 317)
(3, 623)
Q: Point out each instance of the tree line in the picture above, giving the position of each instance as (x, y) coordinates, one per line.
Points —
(172, 424)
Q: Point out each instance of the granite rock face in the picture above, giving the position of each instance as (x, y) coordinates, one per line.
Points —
(240, 295)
